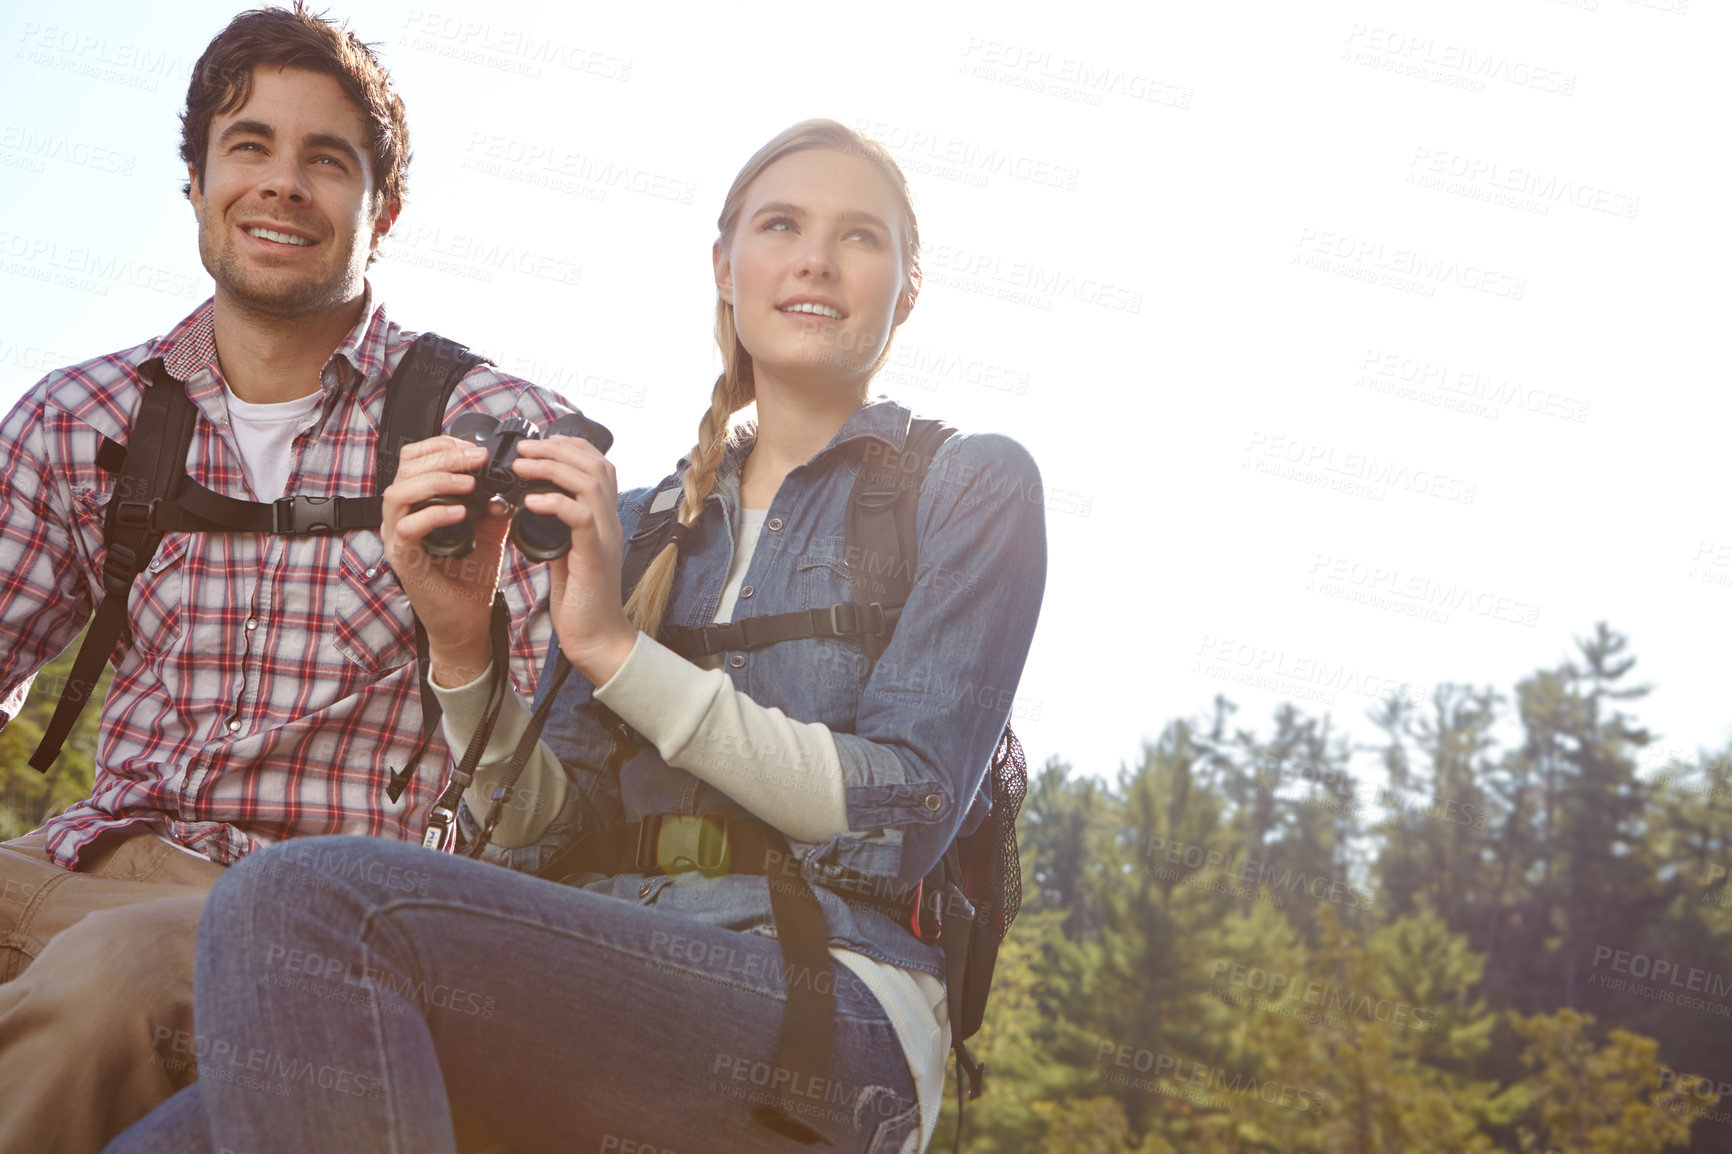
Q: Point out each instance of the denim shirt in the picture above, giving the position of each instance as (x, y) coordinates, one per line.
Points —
(914, 737)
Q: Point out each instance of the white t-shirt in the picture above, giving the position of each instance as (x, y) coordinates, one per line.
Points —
(266, 435)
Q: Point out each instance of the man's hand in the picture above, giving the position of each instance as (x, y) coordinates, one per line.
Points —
(593, 629)
(451, 596)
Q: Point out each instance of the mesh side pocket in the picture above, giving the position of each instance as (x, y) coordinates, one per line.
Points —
(1009, 788)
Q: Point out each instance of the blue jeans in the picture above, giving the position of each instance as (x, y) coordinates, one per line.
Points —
(353, 993)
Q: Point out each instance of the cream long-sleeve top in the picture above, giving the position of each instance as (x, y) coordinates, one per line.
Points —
(689, 713)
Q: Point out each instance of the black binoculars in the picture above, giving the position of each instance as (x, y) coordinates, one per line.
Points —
(539, 536)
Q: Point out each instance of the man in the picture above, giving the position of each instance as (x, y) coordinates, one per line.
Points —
(267, 686)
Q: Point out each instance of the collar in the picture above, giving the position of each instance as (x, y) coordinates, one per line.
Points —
(880, 419)
(189, 349)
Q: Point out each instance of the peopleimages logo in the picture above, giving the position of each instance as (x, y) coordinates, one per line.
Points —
(1326, 996)
(1194, 1076)
(1251, 873)
(1371, 258)
(1646, 967)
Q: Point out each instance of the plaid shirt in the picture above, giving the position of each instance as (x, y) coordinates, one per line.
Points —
(269, 690)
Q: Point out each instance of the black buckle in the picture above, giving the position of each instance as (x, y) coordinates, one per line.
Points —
(675, 843)
(845, 609)
(296, 516)
(721, 638)
(133, 514)
(849, 619)
(119, 567)
(750, 633)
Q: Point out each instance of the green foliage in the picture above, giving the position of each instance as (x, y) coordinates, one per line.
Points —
(1599, 1100)
(27, 797)
(1236, 948)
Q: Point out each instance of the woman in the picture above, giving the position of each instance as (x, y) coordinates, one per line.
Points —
(355, 994)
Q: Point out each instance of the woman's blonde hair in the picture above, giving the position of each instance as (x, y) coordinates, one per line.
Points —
(734, 388)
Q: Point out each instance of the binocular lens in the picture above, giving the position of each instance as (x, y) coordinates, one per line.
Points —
(449, 540)
(540, 536)
(476, 427)
(578, 425)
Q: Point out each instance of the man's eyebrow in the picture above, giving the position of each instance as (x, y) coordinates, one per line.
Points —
(314, 140)
(334, 143)
(247, 128)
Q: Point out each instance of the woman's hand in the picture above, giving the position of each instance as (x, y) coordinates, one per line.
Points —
(588, 617)
(452, 596)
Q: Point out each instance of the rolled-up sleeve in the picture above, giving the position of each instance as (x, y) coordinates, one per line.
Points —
(938, 699)
(44, 593)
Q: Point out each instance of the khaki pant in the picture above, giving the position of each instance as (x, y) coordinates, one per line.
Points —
(95, 988)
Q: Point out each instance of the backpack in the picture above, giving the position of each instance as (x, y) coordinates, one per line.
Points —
(968, 901)
(982, 866)
(153, 495)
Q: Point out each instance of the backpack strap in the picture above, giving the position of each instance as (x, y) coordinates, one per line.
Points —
(150, 468)
(881, 530)
(196, 509)
(416, 397)
(431, 369)
(881, 516)
(654, 530)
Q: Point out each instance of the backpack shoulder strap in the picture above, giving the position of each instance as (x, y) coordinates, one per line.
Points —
(653, 531)
(416, 396)
(415, 399)
(151, 470)
(881, 526)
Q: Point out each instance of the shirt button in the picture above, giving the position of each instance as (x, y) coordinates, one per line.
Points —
(737, 661)
(933, 802)
(774, 524)
(234, 727)
(643, 891)
(252, 624)
(746, 592)
(371, 573)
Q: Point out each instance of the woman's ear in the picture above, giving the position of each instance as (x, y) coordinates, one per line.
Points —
(724, 273)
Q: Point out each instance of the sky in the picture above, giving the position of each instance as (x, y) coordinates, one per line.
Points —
(1363, 347)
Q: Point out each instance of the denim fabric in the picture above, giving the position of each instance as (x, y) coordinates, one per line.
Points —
(353, 993)
(914, 737)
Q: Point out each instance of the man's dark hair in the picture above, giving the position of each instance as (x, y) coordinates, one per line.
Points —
(222, 81)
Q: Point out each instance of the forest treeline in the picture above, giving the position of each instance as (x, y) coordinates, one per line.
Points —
(1512, 941)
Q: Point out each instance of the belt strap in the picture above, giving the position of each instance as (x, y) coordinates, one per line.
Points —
(713, 845)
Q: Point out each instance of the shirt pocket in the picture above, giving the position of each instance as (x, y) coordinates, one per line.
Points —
(821, 572)
(157, 607)
(822, 676)
(156, 602)
(90, 512)
(374, 623)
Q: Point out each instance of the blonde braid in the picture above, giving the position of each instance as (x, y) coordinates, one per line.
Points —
(649, 601)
